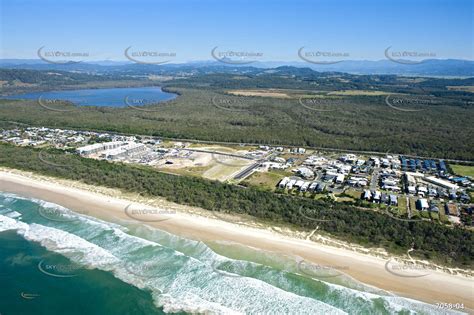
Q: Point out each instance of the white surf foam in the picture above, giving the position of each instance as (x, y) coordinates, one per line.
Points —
(13, 214)
(204, 290)
(196, 287)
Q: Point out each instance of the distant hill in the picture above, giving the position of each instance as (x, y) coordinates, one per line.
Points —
(430, 67)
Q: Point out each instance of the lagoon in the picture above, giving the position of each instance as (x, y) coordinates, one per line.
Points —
(110, 97)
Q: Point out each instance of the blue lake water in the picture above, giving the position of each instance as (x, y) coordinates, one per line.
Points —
(113, 97)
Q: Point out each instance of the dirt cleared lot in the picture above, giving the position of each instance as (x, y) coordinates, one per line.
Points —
(264, 93)
(206, 164)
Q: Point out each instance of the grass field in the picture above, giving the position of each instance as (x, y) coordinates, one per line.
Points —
(353, 193)
(442, 216)
(468, 88)
(402, 205)
(262, 93)
(414, 211)
(189, 171)
(425, 214)
(359, 92)
(434, 216)
(463, 170)
(263, 180)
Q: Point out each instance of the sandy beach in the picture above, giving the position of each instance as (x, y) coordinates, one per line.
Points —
(436, 287)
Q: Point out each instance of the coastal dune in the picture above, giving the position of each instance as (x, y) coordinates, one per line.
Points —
(435, 287)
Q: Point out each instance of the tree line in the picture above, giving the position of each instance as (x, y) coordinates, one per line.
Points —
(448, 245)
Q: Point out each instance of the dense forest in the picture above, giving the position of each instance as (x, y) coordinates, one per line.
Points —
(434, 120)
(449, 245)
(23, 81)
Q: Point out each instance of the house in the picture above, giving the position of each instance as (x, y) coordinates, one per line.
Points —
(357, 181)
(315, 161)
(384, 198)
(273, 165)
(321, 187)
(299, 184)
(391, 188)
(442, 193)
(329, 177)
(305, 172)
(432, 192)
(376, 161)
(313, 186)
(360, 162)
(441, 182)
(298, 150)
(410, 179)
(331, 172)
(390, 181)
(433, 207)
(465, 198)
(367, 195)
(385, 162)
(393, 200)
(453, 195)
(395, 164)
(422, 190)
(305, 186)
(348, 158)
(344, 169)
(422, 204)
(291, 183)
(442, 166)
(376, 196)
(283, 182)
(340, 179)
(279, 159)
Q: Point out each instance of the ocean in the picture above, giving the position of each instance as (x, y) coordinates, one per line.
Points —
(55, 261)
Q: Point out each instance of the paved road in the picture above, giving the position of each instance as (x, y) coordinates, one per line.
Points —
(247, 171)
(319, 176)
(255, 144)
(375, 179)
(408, 207)
(221, 153)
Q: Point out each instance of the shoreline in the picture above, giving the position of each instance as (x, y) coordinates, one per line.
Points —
(109, 204)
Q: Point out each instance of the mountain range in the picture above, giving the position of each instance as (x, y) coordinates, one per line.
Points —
(429, 67)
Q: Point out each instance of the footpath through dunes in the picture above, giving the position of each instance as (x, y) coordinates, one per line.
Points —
(435, 288)
(183, 274)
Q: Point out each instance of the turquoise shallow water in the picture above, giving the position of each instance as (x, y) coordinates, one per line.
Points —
(60, 260)
(113, 97)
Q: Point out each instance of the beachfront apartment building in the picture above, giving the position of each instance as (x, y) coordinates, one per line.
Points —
(98, 147)
(124, 151)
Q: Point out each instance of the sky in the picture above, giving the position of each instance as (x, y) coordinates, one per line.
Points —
(276, 29)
